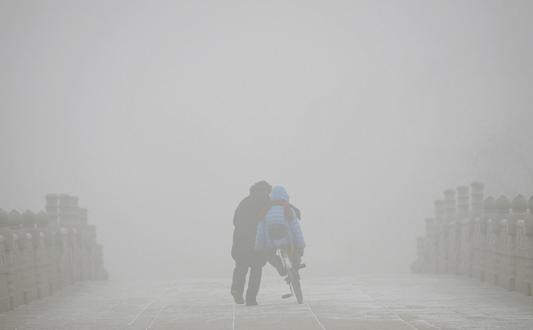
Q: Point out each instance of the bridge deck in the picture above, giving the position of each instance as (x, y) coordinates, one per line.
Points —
(362, 302)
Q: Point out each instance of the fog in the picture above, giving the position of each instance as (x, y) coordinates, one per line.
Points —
(160, 115)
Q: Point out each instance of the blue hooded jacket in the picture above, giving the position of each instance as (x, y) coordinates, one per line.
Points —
(276, 216)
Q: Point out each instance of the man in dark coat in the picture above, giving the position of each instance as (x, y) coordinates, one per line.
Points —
(247, 216)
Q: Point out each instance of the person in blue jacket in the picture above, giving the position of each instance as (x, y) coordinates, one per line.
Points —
(278, 228)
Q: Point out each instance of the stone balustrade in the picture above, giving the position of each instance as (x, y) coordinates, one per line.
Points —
(489, 239)
(40, 253)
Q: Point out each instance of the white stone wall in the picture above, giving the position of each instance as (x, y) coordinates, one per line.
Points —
(488, 239)
(42, 253)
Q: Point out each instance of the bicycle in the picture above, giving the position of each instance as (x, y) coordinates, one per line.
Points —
(286, 253)
(293, 275)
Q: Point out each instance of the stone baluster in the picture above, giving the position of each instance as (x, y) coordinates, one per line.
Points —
(65, 221)
(484, 238)
(525, 249)
(499, 231)
(53, 243)
(15, 261)
(41, 258)
(476, 210)
(431, 252)
(65, 207)
(76, 253)
(28, 257)
(442, 237)
(44, 225)
(453, 230)
(512, 264)
(84, 245)
(418, 265)
(91, 240)
(476, 198)
(465, 227)
(4, 267)
(66, 267)
(101, 273)
(52, 207)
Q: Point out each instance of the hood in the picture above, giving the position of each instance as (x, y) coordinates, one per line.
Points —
(279, 193)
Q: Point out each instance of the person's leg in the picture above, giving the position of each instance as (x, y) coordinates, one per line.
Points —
(275, 261)
(254, 282)
(238, 281)
(297, 258)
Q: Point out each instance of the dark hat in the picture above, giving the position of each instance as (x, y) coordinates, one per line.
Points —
(261, 186)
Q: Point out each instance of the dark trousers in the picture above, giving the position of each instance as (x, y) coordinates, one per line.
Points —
(239, 279)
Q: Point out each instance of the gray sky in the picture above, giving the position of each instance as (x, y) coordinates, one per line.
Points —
(160, 114)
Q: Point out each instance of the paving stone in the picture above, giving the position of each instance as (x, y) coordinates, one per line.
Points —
(360, 302)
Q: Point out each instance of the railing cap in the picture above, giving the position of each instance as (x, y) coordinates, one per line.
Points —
(503, 204)
(4, 218)
(449, 193)
(519, 204)
(488, 204)
(462, 190)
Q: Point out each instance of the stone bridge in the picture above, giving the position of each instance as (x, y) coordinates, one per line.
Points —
(484, 238)
(42, 253)
(360, 302)
(52, 277)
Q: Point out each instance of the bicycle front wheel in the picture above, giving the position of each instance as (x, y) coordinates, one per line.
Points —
(294, 279)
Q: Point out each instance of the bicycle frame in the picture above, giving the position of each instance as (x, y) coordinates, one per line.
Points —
(293, 278)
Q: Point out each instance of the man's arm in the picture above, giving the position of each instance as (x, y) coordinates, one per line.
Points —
(297, 211)
(236, 214)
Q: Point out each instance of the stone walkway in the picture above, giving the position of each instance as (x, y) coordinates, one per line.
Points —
(361, 302)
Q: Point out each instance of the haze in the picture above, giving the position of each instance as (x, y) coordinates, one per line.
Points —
(160, 115)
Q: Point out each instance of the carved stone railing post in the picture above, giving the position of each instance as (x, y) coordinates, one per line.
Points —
(4, 267)
(28, 256)
(418, 264)
(503, 205)
(442, 237)
(41, 253)
(52, 208)
(497, 239)
(431, 247)
(491, 255)
(85, 246)
(54, 253)
(524, 247)
(484, 238)
(67, 205)
(41, 260)
(464, 250)
(488, 239)
(15, 261)
(67, 276)
(453, 230)
(510, 256)
(476, 211)
(101, 273)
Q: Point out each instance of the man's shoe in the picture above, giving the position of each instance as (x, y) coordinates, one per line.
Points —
(238, 299)
(251, 303)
